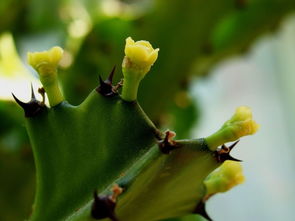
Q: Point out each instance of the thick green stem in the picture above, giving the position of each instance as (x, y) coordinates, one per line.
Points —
(51, 86)
(215, 140)
(130, 86)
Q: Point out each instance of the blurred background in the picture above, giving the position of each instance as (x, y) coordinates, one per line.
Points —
(214, 56)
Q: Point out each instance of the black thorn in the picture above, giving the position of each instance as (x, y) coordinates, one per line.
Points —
(233, 145)
(103, 207)
(33, 97)
(223, 153)
(22, 104)
(201, 210)
(32, 108)
(229, 157)
(106, 88)
(110, 78)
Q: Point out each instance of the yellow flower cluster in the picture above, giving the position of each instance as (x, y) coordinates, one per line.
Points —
(242, 123)
(227, 176)
(139, 57)
(140, 53)
(46, 61)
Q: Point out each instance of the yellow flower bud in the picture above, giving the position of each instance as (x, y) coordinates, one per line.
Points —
(139, 57)
(227, 176)
(140, 53)
(45, 62)
(241, 124)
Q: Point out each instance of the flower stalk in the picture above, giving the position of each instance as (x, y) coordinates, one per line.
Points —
(46, 63)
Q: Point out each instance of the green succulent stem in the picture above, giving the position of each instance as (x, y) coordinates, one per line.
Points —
(51, 86)
(163, 175)
(132, 78)
(216, 139)
(130, 88)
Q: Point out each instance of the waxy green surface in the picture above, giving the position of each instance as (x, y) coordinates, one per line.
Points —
(80, 149)
(162, 186)
(106, 140)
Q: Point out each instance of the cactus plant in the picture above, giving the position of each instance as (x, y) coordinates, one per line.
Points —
(209, 32)
(106, 159)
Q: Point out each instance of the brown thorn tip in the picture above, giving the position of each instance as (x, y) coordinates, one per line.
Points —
(41, 91)
(168, 144)
(117, 190)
